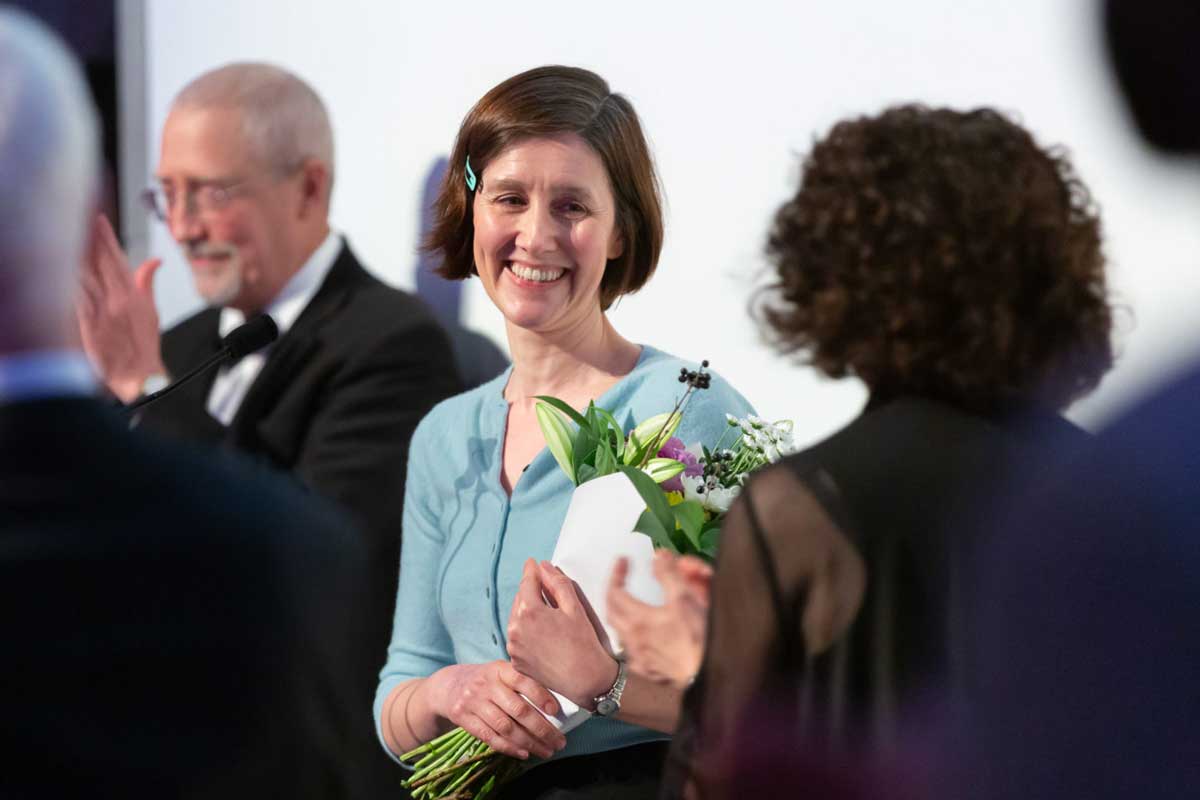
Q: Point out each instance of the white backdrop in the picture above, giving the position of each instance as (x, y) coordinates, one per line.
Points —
(729, 96)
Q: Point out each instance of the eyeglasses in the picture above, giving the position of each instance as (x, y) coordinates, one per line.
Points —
(205, 198)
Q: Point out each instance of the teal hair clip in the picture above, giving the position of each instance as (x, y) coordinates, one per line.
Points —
(472, 181)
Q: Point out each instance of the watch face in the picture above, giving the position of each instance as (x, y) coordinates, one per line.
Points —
(606, 707)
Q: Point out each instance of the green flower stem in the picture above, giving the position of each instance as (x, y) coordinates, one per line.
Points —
(433, 776)
(440, 764)
(441, 758)
(464, 776)
(431, 745)
(454, 754)
(656, 441)
(462, 787)
(486, 789)
(716, 448)
(430, 762)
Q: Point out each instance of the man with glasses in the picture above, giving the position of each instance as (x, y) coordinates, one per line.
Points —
(243, 184)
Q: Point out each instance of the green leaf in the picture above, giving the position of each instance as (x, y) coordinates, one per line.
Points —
(606, 463)
(618, 435)
(571, 413)
(558, 439)
(584, 449)
(591, 417)
(680, 543)
(651, 526)
(663, 469)
(710, 538)
(586, 473)
(635, 451)
(690, 516)
(652, 496)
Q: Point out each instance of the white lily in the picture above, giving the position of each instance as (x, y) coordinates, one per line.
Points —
(720, 498)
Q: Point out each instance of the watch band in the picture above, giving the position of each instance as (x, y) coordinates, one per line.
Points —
(609, 703)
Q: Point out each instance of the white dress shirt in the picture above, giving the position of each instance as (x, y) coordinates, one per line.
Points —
(40, 374)
(232, 382)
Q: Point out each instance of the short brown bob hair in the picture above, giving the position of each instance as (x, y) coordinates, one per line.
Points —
(551, 101)
(942, 253)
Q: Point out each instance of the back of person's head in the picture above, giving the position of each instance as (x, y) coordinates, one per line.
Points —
(49, 164)
(542, 103)
(283, 119)
(945, 254)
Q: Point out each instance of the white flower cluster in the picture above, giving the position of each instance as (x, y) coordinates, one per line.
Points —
(759, 442)
(771, 440)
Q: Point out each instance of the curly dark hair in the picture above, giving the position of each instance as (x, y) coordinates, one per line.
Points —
(942, 253)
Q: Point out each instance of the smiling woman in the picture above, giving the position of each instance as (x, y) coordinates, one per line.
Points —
(547, 105)
(545, 230)
(551, 200)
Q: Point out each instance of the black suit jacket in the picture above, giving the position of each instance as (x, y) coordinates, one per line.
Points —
(335, 404)
(173, 621)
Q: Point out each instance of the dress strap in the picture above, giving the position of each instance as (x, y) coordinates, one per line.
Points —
(768, 568)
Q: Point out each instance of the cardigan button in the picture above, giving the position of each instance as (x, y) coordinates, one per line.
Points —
(494, 639)
(487, 592)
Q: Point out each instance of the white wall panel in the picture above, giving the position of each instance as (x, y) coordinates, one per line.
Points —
(730, 94)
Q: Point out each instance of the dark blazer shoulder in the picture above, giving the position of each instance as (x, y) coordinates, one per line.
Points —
(375, 305)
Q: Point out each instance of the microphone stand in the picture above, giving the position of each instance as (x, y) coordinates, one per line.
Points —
(215, 358)
(247, 338)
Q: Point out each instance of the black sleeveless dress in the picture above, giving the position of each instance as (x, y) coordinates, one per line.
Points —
(840, 598)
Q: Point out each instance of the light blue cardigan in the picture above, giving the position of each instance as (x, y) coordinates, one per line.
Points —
(465, 541)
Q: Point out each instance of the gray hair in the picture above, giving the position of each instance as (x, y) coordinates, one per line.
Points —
(49, 169)
(283, 118)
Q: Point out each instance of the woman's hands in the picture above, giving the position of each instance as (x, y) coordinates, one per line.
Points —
(555, 638)
(485, 700)
(664, 643)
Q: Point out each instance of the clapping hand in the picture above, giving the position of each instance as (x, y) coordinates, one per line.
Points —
(118, 322)
(663, 643)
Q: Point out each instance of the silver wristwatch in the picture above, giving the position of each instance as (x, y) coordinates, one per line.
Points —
(609, 703)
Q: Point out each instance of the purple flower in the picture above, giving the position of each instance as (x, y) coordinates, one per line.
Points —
(674, 448)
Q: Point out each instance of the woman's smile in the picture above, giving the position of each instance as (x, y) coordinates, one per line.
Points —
(527, 274)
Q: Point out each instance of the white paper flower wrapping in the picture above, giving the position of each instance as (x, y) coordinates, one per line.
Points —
(597, 530)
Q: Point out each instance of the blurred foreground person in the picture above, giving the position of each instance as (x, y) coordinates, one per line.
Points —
(954, 266)
(244, 180)
(1089, 623)
(172, 626)
(1088, 630)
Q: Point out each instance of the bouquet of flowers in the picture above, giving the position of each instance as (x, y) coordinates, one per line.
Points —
(687, 489)
(684, 513)
(682, 493)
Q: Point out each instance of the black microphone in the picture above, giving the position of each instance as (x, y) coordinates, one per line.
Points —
(241, 341)
(254, 335)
